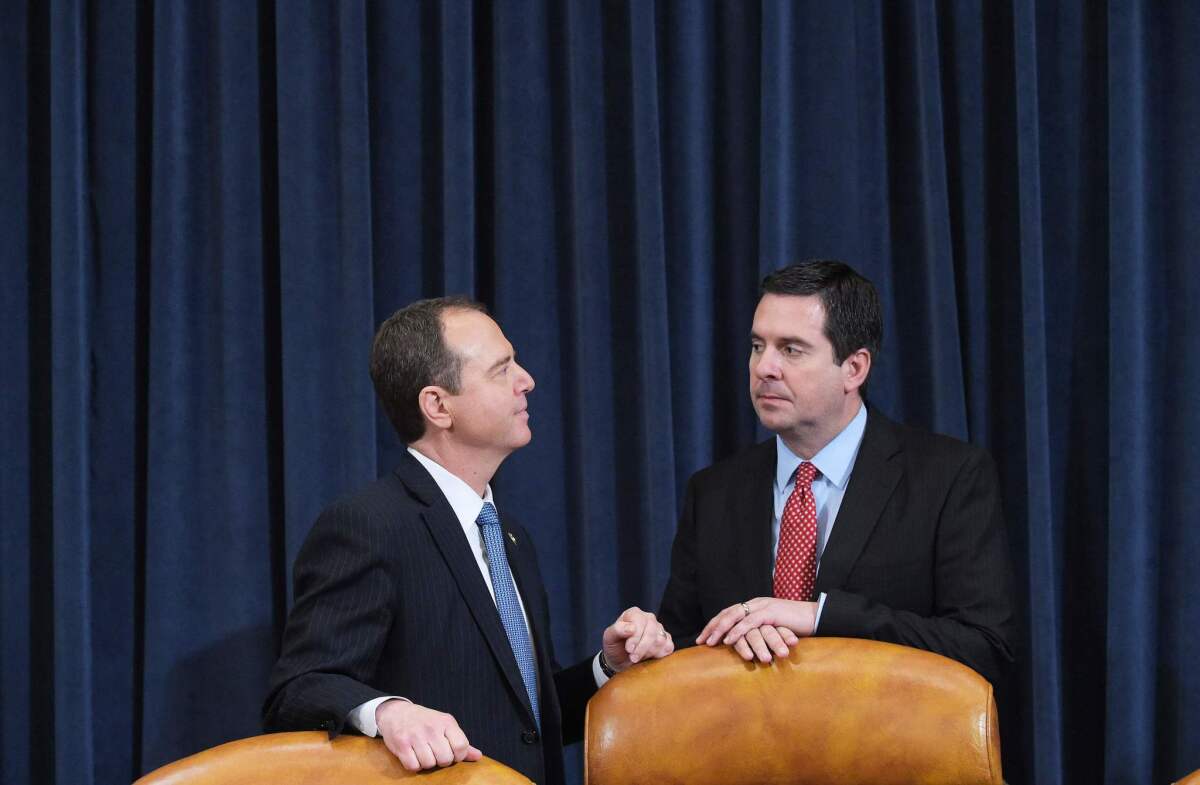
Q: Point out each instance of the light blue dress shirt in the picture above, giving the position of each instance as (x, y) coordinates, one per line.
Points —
(835, 462)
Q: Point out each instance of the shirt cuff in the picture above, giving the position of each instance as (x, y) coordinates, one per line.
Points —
(598, 672)
(363, 715)
(820, 607)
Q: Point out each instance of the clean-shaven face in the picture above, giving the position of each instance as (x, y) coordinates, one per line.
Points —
(490, 411)
(795, 385)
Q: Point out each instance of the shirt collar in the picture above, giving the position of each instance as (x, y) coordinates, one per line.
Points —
(834, 460)
(463, 500)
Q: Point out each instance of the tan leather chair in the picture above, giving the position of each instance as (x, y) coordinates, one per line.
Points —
(836, 711)
(1191, 779)
(310, 758)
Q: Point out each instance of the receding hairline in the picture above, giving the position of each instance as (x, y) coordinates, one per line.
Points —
(508, 356)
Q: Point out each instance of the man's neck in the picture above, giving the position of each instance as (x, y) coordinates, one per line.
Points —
(471, 466)
(806, 443)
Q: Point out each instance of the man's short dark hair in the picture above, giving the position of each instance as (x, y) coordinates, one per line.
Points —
(410, 353)
(853, 316)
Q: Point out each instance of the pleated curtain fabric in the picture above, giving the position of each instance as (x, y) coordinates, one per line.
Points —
(208, 207)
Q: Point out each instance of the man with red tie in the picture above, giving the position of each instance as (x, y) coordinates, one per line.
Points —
(845, 523)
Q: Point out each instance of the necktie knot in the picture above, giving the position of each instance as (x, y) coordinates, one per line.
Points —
(805, 474)
(488, 515)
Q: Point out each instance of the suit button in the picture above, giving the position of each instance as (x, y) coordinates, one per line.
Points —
(529, 736)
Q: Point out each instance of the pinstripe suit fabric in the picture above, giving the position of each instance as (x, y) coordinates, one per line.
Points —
(389, 600)
(918, 555)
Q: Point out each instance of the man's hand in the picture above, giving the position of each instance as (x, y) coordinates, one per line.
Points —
(635, 636)
(422, 738)
(761, 627)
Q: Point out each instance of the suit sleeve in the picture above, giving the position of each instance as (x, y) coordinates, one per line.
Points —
(337, 629)
(680, 610)
(575, 686)
(972, 620)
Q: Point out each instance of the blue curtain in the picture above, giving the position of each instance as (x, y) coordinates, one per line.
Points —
(206, 209)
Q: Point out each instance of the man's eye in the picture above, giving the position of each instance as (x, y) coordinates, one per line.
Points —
(756, 347)
(792, 351)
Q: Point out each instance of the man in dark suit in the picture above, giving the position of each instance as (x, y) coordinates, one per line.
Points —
(420, 614)
(846, 523)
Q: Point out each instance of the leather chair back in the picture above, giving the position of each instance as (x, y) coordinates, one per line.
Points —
(836, 711)
(311, 758)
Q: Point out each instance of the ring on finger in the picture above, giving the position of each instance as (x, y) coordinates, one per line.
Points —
(745, 608)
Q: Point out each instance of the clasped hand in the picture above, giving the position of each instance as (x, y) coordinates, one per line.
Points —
(760, 628)
(635, 636)
(423, 738)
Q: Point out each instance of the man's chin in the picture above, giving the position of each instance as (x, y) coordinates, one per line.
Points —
(770, 415)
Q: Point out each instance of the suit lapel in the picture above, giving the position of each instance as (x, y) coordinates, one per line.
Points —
(872, 481)
(443, 525)
(753, 511)
(522, 560)
(531, 597)
(531, 593)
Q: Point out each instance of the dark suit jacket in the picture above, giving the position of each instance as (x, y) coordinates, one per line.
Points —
(390, 601)
(917, 554)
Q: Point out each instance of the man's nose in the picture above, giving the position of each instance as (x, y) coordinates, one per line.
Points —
(525, 382)
(767, 364)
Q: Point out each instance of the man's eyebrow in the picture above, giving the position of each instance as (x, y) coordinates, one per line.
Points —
(501, 362)
(783, 339)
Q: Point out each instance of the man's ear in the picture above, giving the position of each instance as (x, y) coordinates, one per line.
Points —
(856, 367)
(432, 400)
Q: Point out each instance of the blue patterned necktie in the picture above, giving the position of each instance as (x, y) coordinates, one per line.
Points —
(507, 604)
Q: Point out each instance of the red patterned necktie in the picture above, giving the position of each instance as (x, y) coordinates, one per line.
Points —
(796, 559)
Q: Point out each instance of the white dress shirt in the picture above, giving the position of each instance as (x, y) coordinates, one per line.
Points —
(466, 505)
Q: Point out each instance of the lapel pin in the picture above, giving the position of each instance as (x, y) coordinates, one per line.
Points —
(512, 537)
